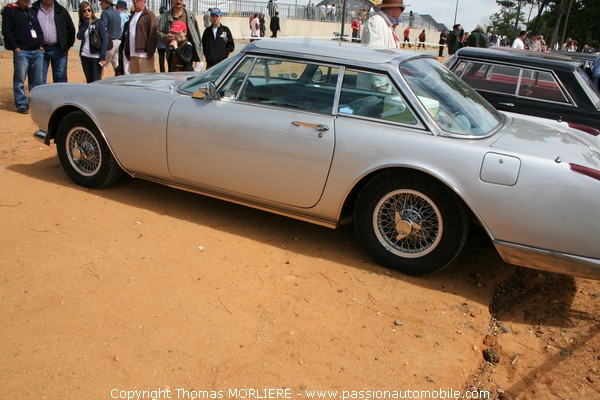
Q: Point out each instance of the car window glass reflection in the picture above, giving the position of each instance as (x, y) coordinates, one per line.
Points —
(540, 85)
(290, 84)
(373, 95)
(456, 107)
(494, 78)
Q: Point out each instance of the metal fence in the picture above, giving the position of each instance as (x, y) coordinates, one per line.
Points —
(240, 8)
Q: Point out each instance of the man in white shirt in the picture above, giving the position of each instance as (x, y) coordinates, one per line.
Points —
(519, 42)
(378, 32)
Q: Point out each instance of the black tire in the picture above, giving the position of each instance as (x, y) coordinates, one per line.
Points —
(83, 153)
(410, 223)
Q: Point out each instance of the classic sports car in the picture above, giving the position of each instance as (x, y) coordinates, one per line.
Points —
(331, 132)
(529, 82)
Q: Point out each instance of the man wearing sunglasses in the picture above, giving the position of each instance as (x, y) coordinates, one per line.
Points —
(379, 29)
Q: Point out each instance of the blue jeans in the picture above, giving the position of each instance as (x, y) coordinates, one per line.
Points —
(57, 59)
(27, 64)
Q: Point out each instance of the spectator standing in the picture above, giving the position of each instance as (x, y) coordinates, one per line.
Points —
(422, 39)
(534, 42)
(161, 48)
(406, 39)
(92, 59)
(254, 27)
(180, 53)
(478, 38)
(140, 43)
(519, 43)
(112, 21)
(378, 32)
(271, 8)
(24, 36)
(59, 37)
(493, 38)
(263, 24)
(179, 13)
(206, 18)
(123, 14)
(355, 29)
(442, 42)
(217, 40)
(274, 25)
(454, 39)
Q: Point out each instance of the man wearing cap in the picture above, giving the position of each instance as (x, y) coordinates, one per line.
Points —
(180, 51)
(112, 20)
(217, 40)
(140, 41)
(122, 9)
(179, 13)
(59, 36)
(378, 32)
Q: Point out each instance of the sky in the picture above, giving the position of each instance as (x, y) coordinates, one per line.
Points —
(469, 12)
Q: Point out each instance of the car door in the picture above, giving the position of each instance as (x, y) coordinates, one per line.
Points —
(270, 138)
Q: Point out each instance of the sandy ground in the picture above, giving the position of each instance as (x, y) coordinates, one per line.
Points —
(139, 287)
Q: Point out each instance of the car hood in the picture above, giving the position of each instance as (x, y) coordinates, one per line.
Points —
(159, 82)
(552, 141)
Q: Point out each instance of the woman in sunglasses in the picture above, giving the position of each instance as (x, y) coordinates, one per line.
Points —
(92, 54)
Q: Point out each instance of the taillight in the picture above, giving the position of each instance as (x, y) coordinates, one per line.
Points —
(584, 128)
(592, 173)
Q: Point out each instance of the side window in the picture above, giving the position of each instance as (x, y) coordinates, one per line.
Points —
(540, 85)
(232, 87)
(493, 78)
(373, 95)
(289, 84)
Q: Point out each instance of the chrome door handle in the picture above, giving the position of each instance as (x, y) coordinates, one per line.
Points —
(318, 127)
(507, 104)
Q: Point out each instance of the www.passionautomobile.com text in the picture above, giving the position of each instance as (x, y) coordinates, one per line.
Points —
(287, 393)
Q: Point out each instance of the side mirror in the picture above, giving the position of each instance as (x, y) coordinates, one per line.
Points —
(209, 92)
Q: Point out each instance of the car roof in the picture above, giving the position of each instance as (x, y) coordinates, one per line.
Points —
(506, 55)
(329, 49)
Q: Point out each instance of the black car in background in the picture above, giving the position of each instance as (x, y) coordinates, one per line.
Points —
(532, 83)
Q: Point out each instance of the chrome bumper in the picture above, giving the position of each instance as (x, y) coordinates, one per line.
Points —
(549, 261)
(42, 136)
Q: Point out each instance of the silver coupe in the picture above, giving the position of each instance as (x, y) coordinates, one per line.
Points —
(333, 133)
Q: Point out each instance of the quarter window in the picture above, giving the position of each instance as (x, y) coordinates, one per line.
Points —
(540, 85)
(373, 95)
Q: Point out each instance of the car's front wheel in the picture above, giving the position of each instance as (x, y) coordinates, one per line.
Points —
(410, 223)
(83, 153)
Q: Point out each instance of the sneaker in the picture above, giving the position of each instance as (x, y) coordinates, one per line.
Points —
(23, 110)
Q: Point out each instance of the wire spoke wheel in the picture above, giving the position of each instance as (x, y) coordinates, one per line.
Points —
(408, 223)
(83, 151)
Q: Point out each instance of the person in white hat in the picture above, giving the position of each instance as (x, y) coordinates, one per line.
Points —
(378, 32)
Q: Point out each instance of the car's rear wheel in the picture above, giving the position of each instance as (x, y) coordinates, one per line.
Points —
(83, 153)
(410, 223)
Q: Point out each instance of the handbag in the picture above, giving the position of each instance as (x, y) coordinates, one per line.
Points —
(96, 39)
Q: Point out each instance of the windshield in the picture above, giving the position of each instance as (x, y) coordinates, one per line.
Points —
(454, 106)
(210, 75)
